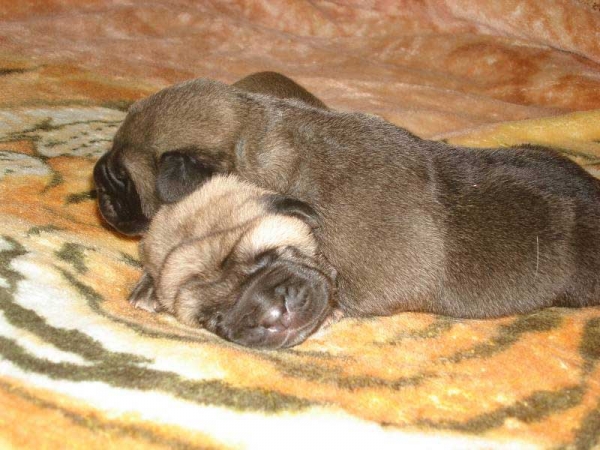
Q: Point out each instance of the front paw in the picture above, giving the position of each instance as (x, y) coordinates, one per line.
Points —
(143, 295)
(335, 316)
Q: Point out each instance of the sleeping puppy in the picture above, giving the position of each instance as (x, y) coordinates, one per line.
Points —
(125, 183)
(409, 224)
(239, 261)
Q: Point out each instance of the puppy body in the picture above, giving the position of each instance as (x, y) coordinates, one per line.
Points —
(409, 224)
(239, 261)
(418, 225)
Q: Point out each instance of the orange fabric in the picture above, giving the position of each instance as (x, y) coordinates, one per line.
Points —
(80, 368)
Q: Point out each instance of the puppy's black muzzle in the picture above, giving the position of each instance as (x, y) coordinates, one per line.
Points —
(280, 306)
(118, 199)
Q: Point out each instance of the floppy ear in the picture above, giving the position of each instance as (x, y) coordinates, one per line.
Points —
(179, 174)
(289, 206)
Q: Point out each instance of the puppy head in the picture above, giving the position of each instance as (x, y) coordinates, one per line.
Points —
(270, 291)
(153, 157)
(174, 140)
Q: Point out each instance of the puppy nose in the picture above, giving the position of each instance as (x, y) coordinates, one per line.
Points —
(287, 301)
(276, 318)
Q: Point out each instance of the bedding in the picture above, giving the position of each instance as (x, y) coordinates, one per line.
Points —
(80, 368)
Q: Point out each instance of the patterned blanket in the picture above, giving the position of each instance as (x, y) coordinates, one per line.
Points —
(80, 368)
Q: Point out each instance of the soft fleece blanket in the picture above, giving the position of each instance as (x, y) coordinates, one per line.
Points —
(79, 368)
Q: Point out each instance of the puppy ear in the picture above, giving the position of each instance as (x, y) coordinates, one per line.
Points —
(179, 174)
(289, 206)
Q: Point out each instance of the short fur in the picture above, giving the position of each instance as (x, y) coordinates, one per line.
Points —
(409, 224)
(130, 188)
(237, 260)
(274, 84)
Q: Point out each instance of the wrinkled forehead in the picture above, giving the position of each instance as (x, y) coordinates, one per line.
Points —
(184, 260)
(198, 300)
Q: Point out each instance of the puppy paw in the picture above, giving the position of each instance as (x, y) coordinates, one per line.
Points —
(143, 295)
(335, 316)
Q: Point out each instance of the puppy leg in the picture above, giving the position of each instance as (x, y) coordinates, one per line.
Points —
(143, 295)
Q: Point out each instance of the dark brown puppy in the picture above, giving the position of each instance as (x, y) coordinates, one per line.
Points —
(239, 261)
(125, 184)
(409, 224)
